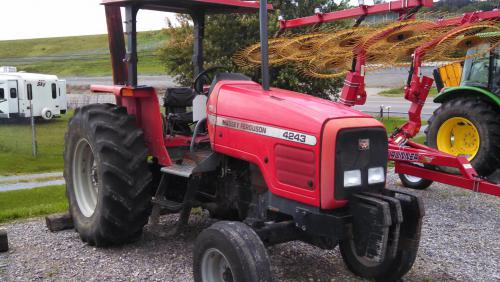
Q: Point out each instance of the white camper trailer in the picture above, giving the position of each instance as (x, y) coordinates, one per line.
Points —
(19, 90)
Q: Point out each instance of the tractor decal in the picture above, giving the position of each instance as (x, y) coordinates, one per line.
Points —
(394, 155)
(265, 130)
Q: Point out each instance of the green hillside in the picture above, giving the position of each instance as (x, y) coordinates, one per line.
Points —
(77, 55)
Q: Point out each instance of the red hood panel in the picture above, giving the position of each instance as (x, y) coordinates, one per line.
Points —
(278, 107)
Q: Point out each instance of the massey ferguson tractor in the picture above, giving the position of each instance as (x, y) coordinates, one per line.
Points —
(273, 165)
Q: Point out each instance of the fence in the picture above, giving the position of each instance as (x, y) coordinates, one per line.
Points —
(15, 136)
(80, 100)
(16, 155)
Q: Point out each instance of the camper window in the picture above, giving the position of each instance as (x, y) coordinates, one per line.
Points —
(54, 91)
(30, 91)
(2, 94)
(13, 93)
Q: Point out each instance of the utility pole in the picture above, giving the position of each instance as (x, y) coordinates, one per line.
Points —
(33, 133)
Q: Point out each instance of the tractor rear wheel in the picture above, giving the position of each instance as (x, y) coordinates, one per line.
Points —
(107, 175)
(230, 251)
(470, 127)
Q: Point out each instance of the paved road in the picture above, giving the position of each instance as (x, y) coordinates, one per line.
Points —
(398, 105)
(30, 185)
(391, 78)
(29, 181)
(160, 81)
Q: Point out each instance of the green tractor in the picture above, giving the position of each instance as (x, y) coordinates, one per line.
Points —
(468, 121)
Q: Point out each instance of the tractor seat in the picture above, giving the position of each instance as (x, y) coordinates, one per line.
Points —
(184, 117)
(226, 76)
(178, 97)
(176, 102)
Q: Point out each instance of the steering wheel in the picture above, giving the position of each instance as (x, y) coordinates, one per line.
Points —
(204, 78)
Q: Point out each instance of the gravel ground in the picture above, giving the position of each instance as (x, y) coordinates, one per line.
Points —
(460, 242)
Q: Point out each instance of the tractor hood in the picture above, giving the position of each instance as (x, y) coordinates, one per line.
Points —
(246, 100)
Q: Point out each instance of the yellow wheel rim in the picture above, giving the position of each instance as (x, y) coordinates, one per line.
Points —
(458, 136)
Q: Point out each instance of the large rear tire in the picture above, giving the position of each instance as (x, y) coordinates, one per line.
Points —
(467, 126)
(107, 175)
(230, 251)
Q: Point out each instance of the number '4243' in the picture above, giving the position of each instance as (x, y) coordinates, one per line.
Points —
(294, 136)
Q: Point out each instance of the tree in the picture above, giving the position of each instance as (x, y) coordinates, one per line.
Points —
(226, 34)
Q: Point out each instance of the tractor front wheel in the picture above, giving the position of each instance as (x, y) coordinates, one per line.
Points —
(107, 176)
(365, 250)
(230, 251)
(469, 127)
(389, 270)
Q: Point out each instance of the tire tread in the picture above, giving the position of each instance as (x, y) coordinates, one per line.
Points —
(125, 175)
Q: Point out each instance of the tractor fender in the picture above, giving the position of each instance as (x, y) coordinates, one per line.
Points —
(452, 92)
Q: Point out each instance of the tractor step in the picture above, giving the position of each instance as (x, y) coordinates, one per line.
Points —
(193, 162)
(170, 206)
(190, 167)
(184, 168)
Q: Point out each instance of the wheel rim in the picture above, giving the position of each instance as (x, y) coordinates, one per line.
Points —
(215, 267)
(458, 136)
(85, 178)
(412, 179)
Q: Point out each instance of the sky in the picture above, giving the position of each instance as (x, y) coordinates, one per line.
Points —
(23, 19)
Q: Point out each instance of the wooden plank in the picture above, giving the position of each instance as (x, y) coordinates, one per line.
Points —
(58, 222)
(4, 242)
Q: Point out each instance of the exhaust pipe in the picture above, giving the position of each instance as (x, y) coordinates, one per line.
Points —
(264, 47)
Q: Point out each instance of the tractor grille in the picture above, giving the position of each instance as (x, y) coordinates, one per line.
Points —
(352, 153)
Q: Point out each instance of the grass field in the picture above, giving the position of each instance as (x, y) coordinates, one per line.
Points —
(77, 55)
(400, 92)
(32, 202)
(15, 146)
(99, 65)
(395, 122)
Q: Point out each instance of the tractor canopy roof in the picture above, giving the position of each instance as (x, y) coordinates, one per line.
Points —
(189, 6)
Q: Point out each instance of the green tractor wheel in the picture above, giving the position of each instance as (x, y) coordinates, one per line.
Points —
(469, 127)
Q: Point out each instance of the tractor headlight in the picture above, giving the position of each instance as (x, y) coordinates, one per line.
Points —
(352, 178)
(376, 175)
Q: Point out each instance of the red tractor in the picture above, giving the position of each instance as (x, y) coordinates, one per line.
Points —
(274, 165)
